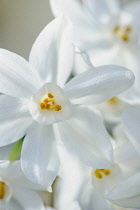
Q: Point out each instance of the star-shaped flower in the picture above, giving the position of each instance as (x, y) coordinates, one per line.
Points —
(38, 103)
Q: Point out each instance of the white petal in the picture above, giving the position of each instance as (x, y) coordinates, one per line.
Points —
(86, 137)
(131, 60)
(105, 53)
(18, 179)
(29, 200)
(101, 83)
(73, 9)
(14, 128)
(11, 106)
(103, 9)
(13, 205)
(125, 152)
(133, 8)
(131, 123)
(18, 78)
(37, 153)
(126, 193)
(87, 31)
(90, 198)
(52, 52)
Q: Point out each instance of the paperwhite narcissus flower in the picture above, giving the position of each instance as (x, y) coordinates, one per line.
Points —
(108, 32)
(90, 187)
(36, 98)
(16, 191)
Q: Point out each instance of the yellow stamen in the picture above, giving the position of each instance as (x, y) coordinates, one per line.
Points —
(50, 95)
(2, 190)
(57, 108)
(125, 37)
(42, 106)
(122, 33)
(106, 172)
(46, 100)
(113, 101)
(116, 29)
(49, 104)
(100, 172)
(128, 29)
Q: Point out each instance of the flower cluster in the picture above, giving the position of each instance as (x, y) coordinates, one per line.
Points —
(69, 117)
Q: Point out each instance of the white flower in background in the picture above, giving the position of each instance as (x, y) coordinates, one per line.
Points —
(16, 191)
(112, 110)
(131, 124)
(37, 98)
(108, 32)
(90, 187)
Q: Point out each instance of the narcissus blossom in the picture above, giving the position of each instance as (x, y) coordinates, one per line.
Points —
(93, 188)
(108, 32)
(16, 191)
(38, 103)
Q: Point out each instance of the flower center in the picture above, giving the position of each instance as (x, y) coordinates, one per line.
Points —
(99, 173)
(113, 101)
(123, 32)
(49, 103)
(2, 190)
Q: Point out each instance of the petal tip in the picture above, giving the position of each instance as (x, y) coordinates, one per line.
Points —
(130, 76)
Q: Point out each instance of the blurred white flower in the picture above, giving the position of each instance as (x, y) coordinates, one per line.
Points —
(16, 191)
(36, 98)
(112, 109)
(108, 32)
(92, 188)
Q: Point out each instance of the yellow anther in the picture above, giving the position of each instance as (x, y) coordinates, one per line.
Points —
(50, 95)
(47, 106)
(42, 106)
(57, 108)
(50, 104)
(113, 101)
(125, 37)
(2, 190)
(100, 172)
(106, 172)
(46, 100)
(128, 29)
(116, 30)
(122, 32)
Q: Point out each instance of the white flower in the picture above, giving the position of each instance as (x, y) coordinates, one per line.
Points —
(16, 191)
(108, 32)
(36, 98)
(92, 188)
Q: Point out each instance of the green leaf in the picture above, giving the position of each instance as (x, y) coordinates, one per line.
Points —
(16, 150)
